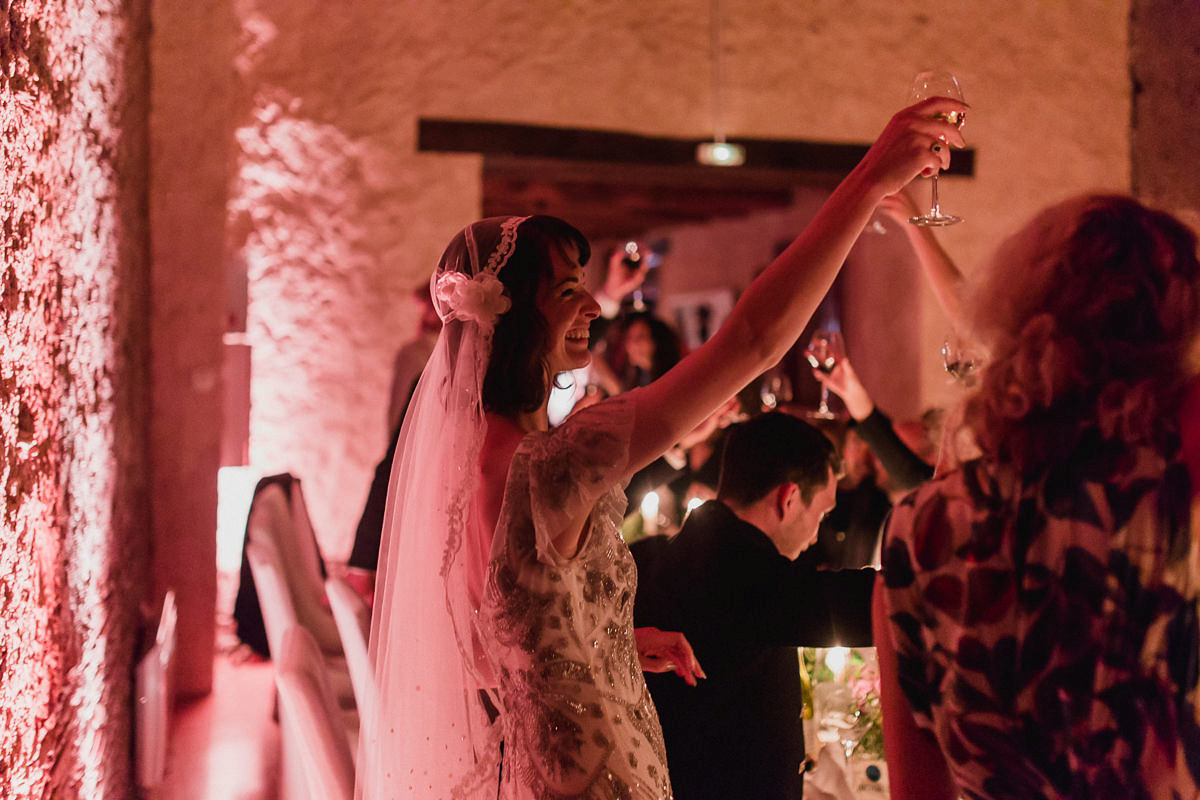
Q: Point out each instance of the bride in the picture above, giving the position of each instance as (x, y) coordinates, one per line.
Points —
(502, 628)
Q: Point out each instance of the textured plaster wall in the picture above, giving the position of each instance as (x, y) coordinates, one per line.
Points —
(72, 391)
(337, 215)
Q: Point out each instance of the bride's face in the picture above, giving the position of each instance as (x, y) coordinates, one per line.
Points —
(568, 309)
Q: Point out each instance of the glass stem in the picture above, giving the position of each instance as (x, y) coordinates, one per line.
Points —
(937, 209)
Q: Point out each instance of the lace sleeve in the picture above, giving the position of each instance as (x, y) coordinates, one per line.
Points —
(572, 467)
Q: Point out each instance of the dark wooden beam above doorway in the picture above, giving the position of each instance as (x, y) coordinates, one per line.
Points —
(616, 185)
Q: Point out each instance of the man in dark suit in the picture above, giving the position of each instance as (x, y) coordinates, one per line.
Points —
(729, 581)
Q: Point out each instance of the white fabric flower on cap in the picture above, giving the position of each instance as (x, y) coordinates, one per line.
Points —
(480, 299)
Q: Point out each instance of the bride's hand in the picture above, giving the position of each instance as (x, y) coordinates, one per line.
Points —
(913, 143)
(667, 651)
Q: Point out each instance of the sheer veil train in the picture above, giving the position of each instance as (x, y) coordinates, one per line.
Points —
(434, 738)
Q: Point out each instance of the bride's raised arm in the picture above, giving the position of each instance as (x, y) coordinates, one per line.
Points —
(774, 310)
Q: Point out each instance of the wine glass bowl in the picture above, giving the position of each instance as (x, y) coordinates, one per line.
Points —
(824, 351)
(937, 84)
(775, 390)
(961, 359)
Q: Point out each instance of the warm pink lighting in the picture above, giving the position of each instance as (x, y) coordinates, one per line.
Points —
(72, 273)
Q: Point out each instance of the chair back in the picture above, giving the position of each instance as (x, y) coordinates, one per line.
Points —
(274, 598)
(279, 516)
(310, 716)
(353, 619)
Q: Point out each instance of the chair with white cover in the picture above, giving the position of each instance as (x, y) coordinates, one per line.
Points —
(278, 514)
(279, 612)
(353, 619)
(311, 720)
(154, 690)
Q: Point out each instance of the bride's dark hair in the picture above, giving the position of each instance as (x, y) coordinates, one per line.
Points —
(517, 379)
(1093, 311)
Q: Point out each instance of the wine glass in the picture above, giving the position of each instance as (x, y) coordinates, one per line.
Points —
(937, 84)
(838, 717)
(961, 359)
(775, 389)
(823, 352)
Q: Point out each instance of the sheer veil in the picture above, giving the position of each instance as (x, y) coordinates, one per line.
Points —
(432, 737)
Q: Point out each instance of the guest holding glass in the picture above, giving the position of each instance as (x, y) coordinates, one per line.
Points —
(1037, 625)
(905, 468)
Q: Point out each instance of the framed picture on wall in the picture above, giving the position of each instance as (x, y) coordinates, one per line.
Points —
(697, 315)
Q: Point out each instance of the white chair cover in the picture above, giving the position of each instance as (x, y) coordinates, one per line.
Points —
(311, 718)
(353, 619)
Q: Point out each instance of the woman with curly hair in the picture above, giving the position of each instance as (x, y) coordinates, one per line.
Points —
(1037, 622)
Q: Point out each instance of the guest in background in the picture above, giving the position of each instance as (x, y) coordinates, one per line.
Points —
(905, 468)
(406, 371)
(689, 468)
(623, 277)
(729, 580)
(411, 357)
(647, 347)
(1037, 624)
(849, 534)
(880, 468)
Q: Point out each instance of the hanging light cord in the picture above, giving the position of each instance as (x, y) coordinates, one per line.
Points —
(715, 45)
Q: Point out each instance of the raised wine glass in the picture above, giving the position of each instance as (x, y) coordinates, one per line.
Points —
(823, 353)
(937, 84)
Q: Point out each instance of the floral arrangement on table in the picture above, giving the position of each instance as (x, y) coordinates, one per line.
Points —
(857, 669)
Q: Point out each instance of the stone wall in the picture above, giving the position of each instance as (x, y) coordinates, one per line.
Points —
(73, 378)
(337, 215)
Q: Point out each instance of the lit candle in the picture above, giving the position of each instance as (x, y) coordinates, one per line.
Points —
(835, 659)
(650, 513)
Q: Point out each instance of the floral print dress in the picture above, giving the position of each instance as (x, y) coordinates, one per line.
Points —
(1046, 629)
(578, 720)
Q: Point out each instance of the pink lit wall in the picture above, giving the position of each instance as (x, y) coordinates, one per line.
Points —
(73, 389)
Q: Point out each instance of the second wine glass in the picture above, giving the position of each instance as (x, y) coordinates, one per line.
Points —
(824, 351)
(961, 358)
(937, 84)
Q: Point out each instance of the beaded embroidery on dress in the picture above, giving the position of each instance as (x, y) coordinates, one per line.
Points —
(578, 721)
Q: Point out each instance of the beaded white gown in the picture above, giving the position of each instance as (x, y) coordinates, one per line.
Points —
(578, 721)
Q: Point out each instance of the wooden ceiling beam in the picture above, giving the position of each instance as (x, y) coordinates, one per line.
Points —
(618, 185)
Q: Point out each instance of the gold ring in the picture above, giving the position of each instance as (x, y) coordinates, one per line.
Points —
(936, 147)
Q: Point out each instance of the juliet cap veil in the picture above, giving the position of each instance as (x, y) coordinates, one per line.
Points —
(431, 736)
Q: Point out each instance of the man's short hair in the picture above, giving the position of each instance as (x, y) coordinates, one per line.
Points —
(773, 449)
